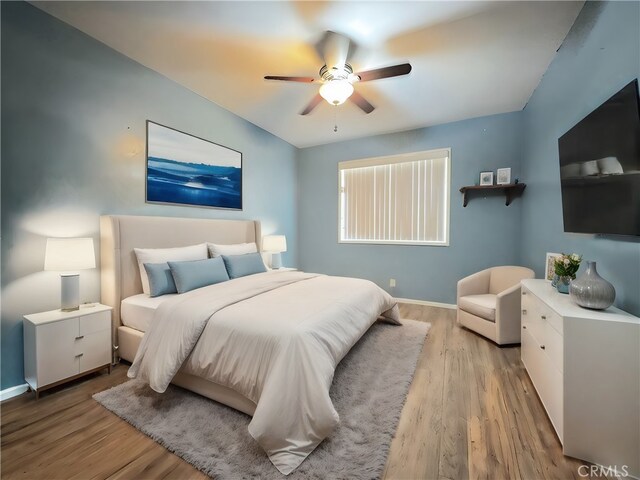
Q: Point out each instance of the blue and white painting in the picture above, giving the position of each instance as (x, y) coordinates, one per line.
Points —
(188, 170)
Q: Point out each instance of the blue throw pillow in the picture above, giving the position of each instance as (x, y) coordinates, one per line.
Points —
(242, 265)
(160, 279)
(194, 274)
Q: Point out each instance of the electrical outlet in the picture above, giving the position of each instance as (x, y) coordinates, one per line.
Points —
(392, 282)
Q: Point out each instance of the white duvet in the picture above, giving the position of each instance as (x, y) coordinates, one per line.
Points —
(275, 338)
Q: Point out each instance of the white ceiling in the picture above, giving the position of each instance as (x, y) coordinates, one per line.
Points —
(469, 58)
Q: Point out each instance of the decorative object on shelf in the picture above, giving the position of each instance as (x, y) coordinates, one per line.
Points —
(565, 267)
(509, 191)
(275, 244)
(550, 267)
(561, 283)
(503, 176)
(591, 290)
(69, 255)
(486, 178)
(187, 170)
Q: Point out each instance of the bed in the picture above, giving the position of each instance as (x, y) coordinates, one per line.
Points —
(263, 344)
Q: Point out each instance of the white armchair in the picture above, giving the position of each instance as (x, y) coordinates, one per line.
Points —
(489, 303)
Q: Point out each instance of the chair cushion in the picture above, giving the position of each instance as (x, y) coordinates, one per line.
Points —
(483, 306)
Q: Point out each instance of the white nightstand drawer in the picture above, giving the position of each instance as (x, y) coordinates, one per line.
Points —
(55, 344)
(95, 322)
(95, 350)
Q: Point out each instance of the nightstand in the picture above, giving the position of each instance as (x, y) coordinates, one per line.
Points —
(61, 346)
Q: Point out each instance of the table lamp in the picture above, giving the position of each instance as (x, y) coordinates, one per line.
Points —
(275, 244)
(69, 255)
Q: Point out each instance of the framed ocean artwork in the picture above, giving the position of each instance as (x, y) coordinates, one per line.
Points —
(184, 169)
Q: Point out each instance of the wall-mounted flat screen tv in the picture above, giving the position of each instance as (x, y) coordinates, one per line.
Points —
(600, 168)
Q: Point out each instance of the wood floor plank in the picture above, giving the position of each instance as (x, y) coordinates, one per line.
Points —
(414, 451)
(471, 412)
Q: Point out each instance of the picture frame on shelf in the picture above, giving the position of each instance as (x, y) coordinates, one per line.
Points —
(503, 176)
(550, 269)
(486, 178)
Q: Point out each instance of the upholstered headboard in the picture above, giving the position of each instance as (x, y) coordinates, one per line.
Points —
(120, 234)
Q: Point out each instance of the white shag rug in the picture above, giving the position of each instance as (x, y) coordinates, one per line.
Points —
(368, 392)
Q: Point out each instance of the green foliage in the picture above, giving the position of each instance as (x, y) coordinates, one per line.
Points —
(567, 265)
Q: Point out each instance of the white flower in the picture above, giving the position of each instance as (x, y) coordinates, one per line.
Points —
(575, 257)
(566, 262)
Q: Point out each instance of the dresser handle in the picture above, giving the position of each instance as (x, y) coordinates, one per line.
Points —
(524, 312)
(80, 337)
(542, 347)
(543, 317)
(524, 293)
(524, 327)
(79, 355)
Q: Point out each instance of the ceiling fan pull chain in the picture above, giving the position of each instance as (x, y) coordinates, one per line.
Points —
(335, 119)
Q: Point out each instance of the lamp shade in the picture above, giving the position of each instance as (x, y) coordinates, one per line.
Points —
(274, 243)
(336, 92)
(69, 254)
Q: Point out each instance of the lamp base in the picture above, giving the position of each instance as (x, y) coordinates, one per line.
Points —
(276, 261)
(70, 292)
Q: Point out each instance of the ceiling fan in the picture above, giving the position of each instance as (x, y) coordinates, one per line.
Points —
(337, 78)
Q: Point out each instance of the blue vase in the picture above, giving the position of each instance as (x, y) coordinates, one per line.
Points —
(562, 284)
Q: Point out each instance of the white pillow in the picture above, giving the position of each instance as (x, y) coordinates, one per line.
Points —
(160, 255)
(610, 166)
(216, 250)
(589, 168)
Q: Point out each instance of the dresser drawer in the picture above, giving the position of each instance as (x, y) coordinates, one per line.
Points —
(546, 378)
(545, 327)
(532, 320)
(550, 316)
(552, 341)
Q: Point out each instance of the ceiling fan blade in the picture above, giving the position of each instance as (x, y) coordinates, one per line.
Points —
(312, 104)
(385, 72)
(361, 102)
(290, 79)
(335, 49)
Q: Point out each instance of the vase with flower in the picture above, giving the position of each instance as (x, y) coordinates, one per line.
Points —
(566, 266)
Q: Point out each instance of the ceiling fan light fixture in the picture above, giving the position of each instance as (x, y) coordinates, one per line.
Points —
(336, 92)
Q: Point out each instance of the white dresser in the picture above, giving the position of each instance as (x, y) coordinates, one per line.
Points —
(60, 346)
(585, 366)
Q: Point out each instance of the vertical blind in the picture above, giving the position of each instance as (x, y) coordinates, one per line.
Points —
(400, 199)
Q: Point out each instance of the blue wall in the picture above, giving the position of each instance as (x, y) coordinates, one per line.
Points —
(483, 234)
(600, 55)
(73, 133)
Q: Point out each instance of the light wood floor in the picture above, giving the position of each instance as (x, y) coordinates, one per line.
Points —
(471, 412)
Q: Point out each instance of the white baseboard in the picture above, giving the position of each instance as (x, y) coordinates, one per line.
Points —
(450, 306)
(13, 391)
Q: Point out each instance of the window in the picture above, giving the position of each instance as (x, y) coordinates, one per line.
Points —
(401, 199)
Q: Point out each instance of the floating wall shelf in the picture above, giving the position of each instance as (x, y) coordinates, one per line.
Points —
(510, 190)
